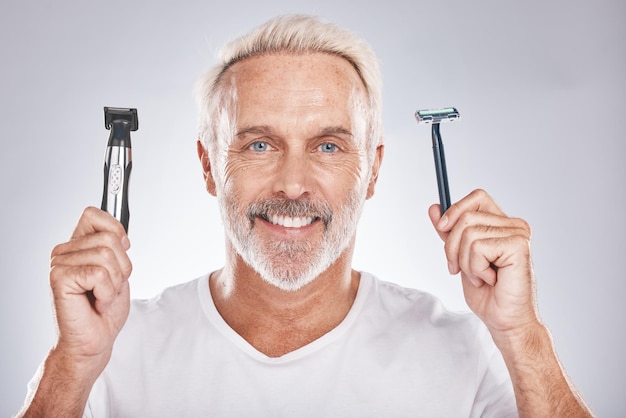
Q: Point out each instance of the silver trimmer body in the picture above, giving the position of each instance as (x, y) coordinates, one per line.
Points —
(118, 162)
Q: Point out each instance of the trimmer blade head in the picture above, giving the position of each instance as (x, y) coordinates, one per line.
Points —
(112, 114)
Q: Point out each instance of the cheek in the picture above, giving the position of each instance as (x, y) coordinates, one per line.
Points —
(327, 178)
(242, 176)
(341, 178)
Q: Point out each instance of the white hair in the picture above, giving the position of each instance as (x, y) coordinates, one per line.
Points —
(295, 34)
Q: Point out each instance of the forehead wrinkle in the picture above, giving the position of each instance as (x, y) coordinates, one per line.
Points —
(287, 97)
(304, 119)
(286, 71)
(291, 96)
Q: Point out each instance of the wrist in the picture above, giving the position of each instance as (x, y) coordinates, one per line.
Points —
(63, 387)
(541, 387)
(81, 369)
(525, 342)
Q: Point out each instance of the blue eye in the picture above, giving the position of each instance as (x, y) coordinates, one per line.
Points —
(259, 146)
(328, 147)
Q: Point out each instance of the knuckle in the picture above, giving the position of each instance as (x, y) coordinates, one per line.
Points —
(57, 250)
(465, 218)
(129, 269)
(521, 240)
(475, 246)
(470, 232)
(480, 193)
(114, 227)
(92, 210)
(89, 212)
(55, 276)
(523, 225)
(95, 273)
(110, 239)
(126, 269)
(105, 253)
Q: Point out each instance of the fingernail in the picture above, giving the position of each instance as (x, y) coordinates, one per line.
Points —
(442, 222)
(450, 270)
(125, 242)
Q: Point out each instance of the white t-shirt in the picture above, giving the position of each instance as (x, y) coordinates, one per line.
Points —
(398, 353)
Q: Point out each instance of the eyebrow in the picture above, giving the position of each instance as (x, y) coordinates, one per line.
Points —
(336, 130)
(266, 130)
(255, 130)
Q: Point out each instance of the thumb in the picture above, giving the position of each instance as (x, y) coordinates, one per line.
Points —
(434, 212)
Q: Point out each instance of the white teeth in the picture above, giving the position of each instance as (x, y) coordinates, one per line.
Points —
(289, 222)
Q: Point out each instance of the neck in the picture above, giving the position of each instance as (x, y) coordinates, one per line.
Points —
(275, 321)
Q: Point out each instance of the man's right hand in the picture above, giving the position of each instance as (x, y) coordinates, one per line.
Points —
(89, 280)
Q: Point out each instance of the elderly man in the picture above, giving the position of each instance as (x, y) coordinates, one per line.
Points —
(291, 146)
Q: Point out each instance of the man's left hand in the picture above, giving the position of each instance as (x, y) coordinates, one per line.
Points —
(492, 253)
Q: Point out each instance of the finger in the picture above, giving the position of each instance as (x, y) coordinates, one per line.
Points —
(485, 257)
(434, 212)
(96, 220)
(94, 239)
(476, 201)
(475, 225)
(108, 240)
(69, 281)
(476, 264)
(472, 235)
(470, 281)
(102, 257)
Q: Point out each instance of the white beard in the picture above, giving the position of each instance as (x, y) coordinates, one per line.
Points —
(289, 264)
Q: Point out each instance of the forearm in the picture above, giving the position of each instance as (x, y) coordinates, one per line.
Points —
(63, 389)
(541, 386)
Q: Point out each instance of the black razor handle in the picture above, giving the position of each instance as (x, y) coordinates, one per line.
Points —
(440, 168)
(118, 162)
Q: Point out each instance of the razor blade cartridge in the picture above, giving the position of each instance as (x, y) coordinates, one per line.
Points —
(437, 115)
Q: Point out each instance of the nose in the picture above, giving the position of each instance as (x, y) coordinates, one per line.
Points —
(293, 175)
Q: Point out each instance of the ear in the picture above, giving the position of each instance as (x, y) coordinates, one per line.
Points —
(378, 159)
(203, 155)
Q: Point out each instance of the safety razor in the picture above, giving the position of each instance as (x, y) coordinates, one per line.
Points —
(434, 118)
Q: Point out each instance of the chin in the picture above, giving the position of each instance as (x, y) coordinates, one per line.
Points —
(287, 279)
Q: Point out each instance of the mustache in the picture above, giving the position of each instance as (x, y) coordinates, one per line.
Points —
(304, 207)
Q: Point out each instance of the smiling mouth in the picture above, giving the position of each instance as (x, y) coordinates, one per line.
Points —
(290, 221)
(290, 213)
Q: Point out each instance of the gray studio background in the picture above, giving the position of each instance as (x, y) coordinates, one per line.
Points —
(542, 92)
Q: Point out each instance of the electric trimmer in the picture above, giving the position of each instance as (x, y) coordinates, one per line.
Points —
(118, 161)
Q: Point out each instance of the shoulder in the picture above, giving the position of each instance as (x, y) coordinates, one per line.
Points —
(170, 296)
(405, 300)
(173, 306)
(420, 312)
